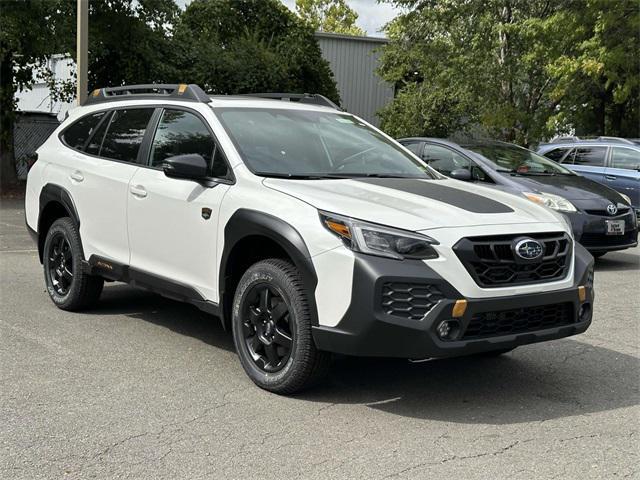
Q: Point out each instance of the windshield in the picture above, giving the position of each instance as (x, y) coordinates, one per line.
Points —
(518, 160)
(299, 143)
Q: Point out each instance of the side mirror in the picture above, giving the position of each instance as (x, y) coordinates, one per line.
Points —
(461, 174)
(190, 166)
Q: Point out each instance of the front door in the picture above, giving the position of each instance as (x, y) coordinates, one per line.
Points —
(173, 222)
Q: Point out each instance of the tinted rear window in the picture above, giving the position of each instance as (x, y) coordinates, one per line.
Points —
(125, 133)
(593, 156)
(79, 132)
(556, 154)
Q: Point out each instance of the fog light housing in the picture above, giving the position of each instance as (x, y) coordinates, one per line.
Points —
(585, 308)
(448, 329)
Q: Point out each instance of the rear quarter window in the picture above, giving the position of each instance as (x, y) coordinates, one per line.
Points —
(557, 153)
(77, 134)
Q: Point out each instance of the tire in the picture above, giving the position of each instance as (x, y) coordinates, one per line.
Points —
(495, 353)
(598, 254)
(65, 274)
(272, 330)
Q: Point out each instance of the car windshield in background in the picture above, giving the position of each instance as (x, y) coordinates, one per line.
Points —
(311, 144)
(517, 160)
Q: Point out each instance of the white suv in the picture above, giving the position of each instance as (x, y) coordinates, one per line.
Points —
(305, 229)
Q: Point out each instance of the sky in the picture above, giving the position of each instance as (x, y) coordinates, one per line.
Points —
(371, 15)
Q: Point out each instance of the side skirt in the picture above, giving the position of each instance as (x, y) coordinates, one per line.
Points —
(167, 288)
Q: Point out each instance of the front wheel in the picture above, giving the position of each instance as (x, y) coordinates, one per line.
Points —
(69, 284)
(271, 324)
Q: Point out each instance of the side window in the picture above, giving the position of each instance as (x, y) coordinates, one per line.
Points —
(180, 132)
(415, 147)
(95, 143)
(625, 158)
(557, 153)
(443, 159)
(78, 133)
(124, 134)
(591, 156)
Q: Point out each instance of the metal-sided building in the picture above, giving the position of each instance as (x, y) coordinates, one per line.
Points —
(354, 61)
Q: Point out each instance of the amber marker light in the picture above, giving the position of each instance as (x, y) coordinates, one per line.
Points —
(582, 293)
(340, 228)
(459, 308)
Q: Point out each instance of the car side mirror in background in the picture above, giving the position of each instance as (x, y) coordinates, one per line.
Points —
(461, 174)
(190, 167)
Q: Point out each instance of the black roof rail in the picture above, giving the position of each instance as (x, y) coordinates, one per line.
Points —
(310, 98)
(181, 91)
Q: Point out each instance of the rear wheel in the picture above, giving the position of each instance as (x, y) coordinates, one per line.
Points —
(271, 324)
(69, 284)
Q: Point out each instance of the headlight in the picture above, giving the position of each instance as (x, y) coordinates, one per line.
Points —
(626, 198)
(550, 200)
(378, 240)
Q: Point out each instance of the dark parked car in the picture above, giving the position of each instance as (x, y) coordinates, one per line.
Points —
(602, 218)
(614, 162)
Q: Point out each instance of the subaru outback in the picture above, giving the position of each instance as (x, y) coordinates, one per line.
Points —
(306, 230)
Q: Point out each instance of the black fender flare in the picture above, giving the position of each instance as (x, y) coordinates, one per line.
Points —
(54, 193)
(245, 223)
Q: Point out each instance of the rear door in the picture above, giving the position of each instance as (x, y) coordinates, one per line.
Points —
(623, 172)
(99, 173)
(589, 161)
(173, 222)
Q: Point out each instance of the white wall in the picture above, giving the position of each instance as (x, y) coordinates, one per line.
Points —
(38, 99)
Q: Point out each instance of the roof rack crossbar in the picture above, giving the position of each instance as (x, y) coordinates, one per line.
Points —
(309, 98)
(181, 91)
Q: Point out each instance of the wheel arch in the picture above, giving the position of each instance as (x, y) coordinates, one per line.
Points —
(55, 202)
(250, 236)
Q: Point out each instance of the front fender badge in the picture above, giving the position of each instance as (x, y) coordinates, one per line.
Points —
(206, 213)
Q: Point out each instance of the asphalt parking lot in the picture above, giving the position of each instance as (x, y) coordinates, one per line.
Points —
(144, 387)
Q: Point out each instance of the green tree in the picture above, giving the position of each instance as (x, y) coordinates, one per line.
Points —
(332, 16)
(27, 38)
(515, 69)
(243, 46)
(130, 41)
(598, 86)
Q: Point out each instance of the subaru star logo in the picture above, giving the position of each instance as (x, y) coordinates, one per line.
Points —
(528, 249)
(612, 209)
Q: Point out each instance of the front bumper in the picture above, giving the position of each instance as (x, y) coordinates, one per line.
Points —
(590, 231)
(368, 330)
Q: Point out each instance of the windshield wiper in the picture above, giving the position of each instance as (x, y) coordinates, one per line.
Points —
(296, 176)
(525, 174)
(377, 175)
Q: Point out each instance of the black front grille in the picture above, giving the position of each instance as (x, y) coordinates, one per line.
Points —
(409, 300)
(518, 320)
(602, 240)
(604, 213)
(491, 260)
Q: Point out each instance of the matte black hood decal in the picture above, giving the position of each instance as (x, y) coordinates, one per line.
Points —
(432, 189)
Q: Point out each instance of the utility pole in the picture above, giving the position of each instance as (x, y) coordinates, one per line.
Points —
(82, 54)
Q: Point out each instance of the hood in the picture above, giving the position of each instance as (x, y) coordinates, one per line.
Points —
(571, 187)
(415, 204)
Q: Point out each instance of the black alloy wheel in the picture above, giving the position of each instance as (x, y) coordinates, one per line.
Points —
(67, 277)
(60, 264)
(272, 328)
(267, 327)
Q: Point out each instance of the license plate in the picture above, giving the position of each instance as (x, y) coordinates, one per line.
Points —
(615, 227)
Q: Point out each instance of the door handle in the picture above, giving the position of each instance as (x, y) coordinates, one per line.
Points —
(610, 177)
(138, 191)
(77, 176)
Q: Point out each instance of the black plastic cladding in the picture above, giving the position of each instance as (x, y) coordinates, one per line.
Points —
(246, 223)
(54, 193)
